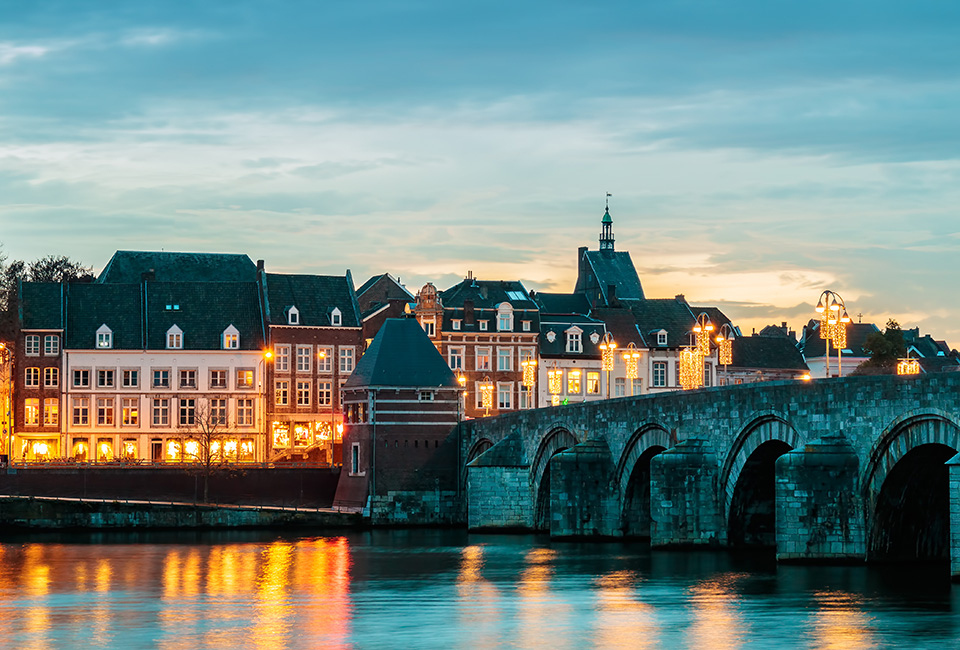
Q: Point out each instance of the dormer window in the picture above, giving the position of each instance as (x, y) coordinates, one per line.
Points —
(574, 340)
(174, 338)
(104, 337)
(483, 326)
(293, 316)
(505, 317)
(456, 322)
(662, 337)
(231, 338)
(335, 317)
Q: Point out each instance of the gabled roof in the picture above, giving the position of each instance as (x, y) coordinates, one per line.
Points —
(402, 355)
(622, 324)
(813, 346)
(314, 296)
(381, 289)
(668, 314)
(129, 266)
(610, 268)
(767, 353)
(41, 305)
(117, 306)
(487, 294)
(562, 303)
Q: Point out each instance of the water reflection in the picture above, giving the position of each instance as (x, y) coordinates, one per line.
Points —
(543, 616)
(840, 623)
(623, 621)
(37, 582)
(478, 602)
(717, 623)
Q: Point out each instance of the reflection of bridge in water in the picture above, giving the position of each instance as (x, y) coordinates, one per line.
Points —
(841, 469)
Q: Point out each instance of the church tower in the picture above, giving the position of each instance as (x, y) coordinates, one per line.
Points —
(606, 234)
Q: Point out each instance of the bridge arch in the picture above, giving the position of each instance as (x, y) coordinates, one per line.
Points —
(478, 447)
(633, 476)
(905, 487)
(558, 439)
(747, 479)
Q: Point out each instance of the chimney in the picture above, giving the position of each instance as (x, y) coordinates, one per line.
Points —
(148, 276)
(468, 312)
(469, 275)
(260, 266)
(754, 331)
(611, 295)
(783, 326)
(681, 298)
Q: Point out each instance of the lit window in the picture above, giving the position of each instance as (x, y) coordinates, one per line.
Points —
(51, 377)
(51, 412)
(244, 378)
(31, 412)
(174, 338)
(593, 383)
(281, 358)
(32, 345)
(31, 378)
(130, 411)
(51, 345)
(104, 337)
(483, 359)
(574, 342)
(231, 338)
(281, 393)
(573, 382)
(129, 449)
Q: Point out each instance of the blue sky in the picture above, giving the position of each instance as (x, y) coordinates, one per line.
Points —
(758, 152)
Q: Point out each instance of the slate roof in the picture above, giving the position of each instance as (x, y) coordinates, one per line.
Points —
(314, 296)
(561, 303)
(717, 317)
(925, 346)
(610, 268)
(559, 324)
(669, 314)
(129, 266)
(91, 306)
(402, 355)
(768, 353)
(487, 295)
(813, 346)
(41, 305)
(622, 324)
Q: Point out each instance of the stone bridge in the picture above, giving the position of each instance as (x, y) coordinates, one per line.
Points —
(852, 469)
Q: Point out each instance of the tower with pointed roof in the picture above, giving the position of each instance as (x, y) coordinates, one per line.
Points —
(606, 232)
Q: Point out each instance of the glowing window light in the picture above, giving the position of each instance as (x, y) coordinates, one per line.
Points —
(215, 450)
(554, 400)
(106, 451)
(246, 447)
(192, 447)
(40, 449)
(173, 450)
(631, 360)
(691, 368)
(908, 366)
(130, 449)
(529, 373)
(230, 448)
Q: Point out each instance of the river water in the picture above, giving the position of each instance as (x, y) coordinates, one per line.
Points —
(447, 589)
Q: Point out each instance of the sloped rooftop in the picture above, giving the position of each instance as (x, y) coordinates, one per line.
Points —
(402, 355)
(129, 266)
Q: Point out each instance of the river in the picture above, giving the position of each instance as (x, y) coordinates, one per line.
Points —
(447, 589)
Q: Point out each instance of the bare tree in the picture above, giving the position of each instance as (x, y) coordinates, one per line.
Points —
(203, 437)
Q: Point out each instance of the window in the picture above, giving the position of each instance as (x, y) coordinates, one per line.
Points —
(105, 412)
(504, 358)
(346, 361)
(526, 397)
(104, 337)
(526, 325)
(31, 412)
(659, 374)
(574, 342)
(455, 357)
(335, 317)
(81, 378)
(51, 377)
(426, 396)
(130, 378)
(483, 326)
(619, 387)
(455, 323)
(483, 359)
(188, 379)
(32, 345)
(161, 412)
(81, 411)
(527, 354)
(31, 377)
(324, 393)
(51, 345)
(637, 385)
(218, 411)
(231, 338)
(505, 317)
(573, 382)
(430, 327)
(174, 338)
(355, 458)
(188, 412)
(51, 412)
(706, 374)
(304, 353)
(244, 378)
(593, 383)
(105, 378)
(303, 393)
(130, 411)
(662, 337)
(218, 379)
(325, 360)
(293, 316)
(245, 412)
(505, 395)
(281, 393)
(281, 358)
(161, 379)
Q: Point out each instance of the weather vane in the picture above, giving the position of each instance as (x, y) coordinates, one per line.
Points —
(608, 200)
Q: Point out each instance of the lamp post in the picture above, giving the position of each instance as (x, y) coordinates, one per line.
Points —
(691, 368)
(486, 394)
(607, 351)
(554, 384)
(833, 325)
(631, 358)
(724, 341)
(908, 366)
(529, 380)
(702, 330)
(5, 404)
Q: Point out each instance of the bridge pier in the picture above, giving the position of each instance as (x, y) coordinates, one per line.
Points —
(954, 466)
(498, 489)
(683, 496)
(819, 514)
(584, 495)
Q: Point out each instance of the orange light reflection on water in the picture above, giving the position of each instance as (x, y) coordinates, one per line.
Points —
(622, 620)
(479, 600)
(840, 623)
(717, 622)
(36, 578)
(541, 614)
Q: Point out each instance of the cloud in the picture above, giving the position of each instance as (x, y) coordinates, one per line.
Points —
(10, 53)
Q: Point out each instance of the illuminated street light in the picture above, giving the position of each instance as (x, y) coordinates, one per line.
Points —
(607, 350)
(631, 358)
(702, 329)
(908, 366)
(554, 384)
(725, 344)
(691, 368)
(486, 394)
(833, 325)
(5, 399)
(529, 373)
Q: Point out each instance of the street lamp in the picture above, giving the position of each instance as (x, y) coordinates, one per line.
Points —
(691, 368)
(554, 384)
(833, 325)
(486, 394)
(529, 377)
(725, 344)
(5, 404)
(908, 366)
(631, 358)
(607, 351)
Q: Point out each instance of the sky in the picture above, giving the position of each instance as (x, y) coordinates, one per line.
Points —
(757, 152)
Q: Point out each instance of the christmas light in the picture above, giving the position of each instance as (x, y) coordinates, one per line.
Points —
(908, 366)
(691, 368)
(702, 329)
(486, 393)
(529, 373)
(607, 351)
(555, 381)
(631, 360)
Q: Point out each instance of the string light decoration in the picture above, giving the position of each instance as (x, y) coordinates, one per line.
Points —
(702, 329)
(529, 373)
(631, 358)
(908, 366)
(607, 350)
(554, 384)
(833, 325)
(691, 368)
(486, 394)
